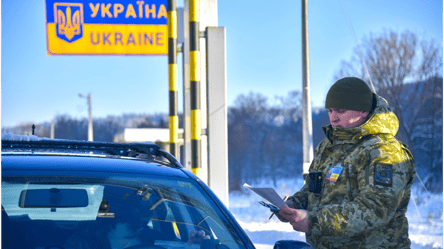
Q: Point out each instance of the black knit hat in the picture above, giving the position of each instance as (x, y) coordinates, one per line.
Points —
(350, 93)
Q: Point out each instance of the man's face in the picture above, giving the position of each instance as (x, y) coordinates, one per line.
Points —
(346, 118)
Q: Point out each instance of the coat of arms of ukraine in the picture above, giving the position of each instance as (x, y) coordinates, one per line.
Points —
(69, 21)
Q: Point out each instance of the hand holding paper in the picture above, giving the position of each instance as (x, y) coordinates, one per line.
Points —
(285, 198)
(298, 218)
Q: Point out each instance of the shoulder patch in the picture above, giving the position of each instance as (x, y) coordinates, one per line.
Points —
(383, 174)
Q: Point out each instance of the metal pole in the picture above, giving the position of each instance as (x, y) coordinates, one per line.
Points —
(307, 138)
(186, 90)
(52, 129)
(90, 121)
(196, 116)
(172, 77)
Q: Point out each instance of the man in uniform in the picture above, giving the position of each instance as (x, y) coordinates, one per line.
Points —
(358, 187)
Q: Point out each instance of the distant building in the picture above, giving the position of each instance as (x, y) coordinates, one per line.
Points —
(160, 136)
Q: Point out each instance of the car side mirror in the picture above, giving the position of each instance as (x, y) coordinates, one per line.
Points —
(291, 244)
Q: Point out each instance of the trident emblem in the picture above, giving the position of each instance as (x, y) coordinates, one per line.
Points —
(69, 20)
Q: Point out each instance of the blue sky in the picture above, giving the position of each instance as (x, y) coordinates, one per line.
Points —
(263, 55)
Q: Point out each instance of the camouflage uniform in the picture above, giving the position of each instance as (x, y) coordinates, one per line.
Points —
(365, 207)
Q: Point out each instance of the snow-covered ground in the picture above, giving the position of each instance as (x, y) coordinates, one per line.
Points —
(425, 218)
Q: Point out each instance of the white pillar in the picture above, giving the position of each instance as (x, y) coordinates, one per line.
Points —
(307, 137)
(217, 113)
(208, 17)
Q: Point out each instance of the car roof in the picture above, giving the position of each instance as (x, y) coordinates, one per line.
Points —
(51, 155)
(85, 163)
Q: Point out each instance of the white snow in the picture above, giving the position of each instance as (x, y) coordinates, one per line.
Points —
(425, 218)
(15, 137)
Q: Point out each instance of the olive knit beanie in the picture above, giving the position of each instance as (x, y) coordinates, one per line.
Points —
(350, 93)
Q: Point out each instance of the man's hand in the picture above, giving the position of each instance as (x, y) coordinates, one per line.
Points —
(290, 204)
(197, 236)
(298, 218)
(280, 217)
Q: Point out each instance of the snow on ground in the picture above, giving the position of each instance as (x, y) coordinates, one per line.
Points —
(425, 218)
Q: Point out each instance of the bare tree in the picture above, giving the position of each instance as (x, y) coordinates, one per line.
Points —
(237, 148)
(263, 137)
(291, 106)
(245, 136)
(25, 128)
(252, 106)
(431, 63)
(427, 136)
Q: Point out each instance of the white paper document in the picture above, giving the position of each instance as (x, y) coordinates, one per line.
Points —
(268, 194)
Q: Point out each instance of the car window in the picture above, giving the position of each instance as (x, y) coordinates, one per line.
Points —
(110, 212)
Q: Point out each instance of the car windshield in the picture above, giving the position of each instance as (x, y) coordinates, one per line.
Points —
(111, 212)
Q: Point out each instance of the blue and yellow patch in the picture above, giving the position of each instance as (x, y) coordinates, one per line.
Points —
(383, 174)
(334, 173)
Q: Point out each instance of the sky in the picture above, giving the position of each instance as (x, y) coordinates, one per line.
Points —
(264, 55)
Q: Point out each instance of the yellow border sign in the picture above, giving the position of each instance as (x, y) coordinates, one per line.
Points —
(106, 28)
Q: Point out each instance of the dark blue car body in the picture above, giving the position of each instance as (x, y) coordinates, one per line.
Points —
(168, 189)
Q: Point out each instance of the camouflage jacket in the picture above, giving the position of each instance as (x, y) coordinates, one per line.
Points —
(365, 207)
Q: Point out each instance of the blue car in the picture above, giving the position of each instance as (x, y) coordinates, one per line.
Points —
(63, 194)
